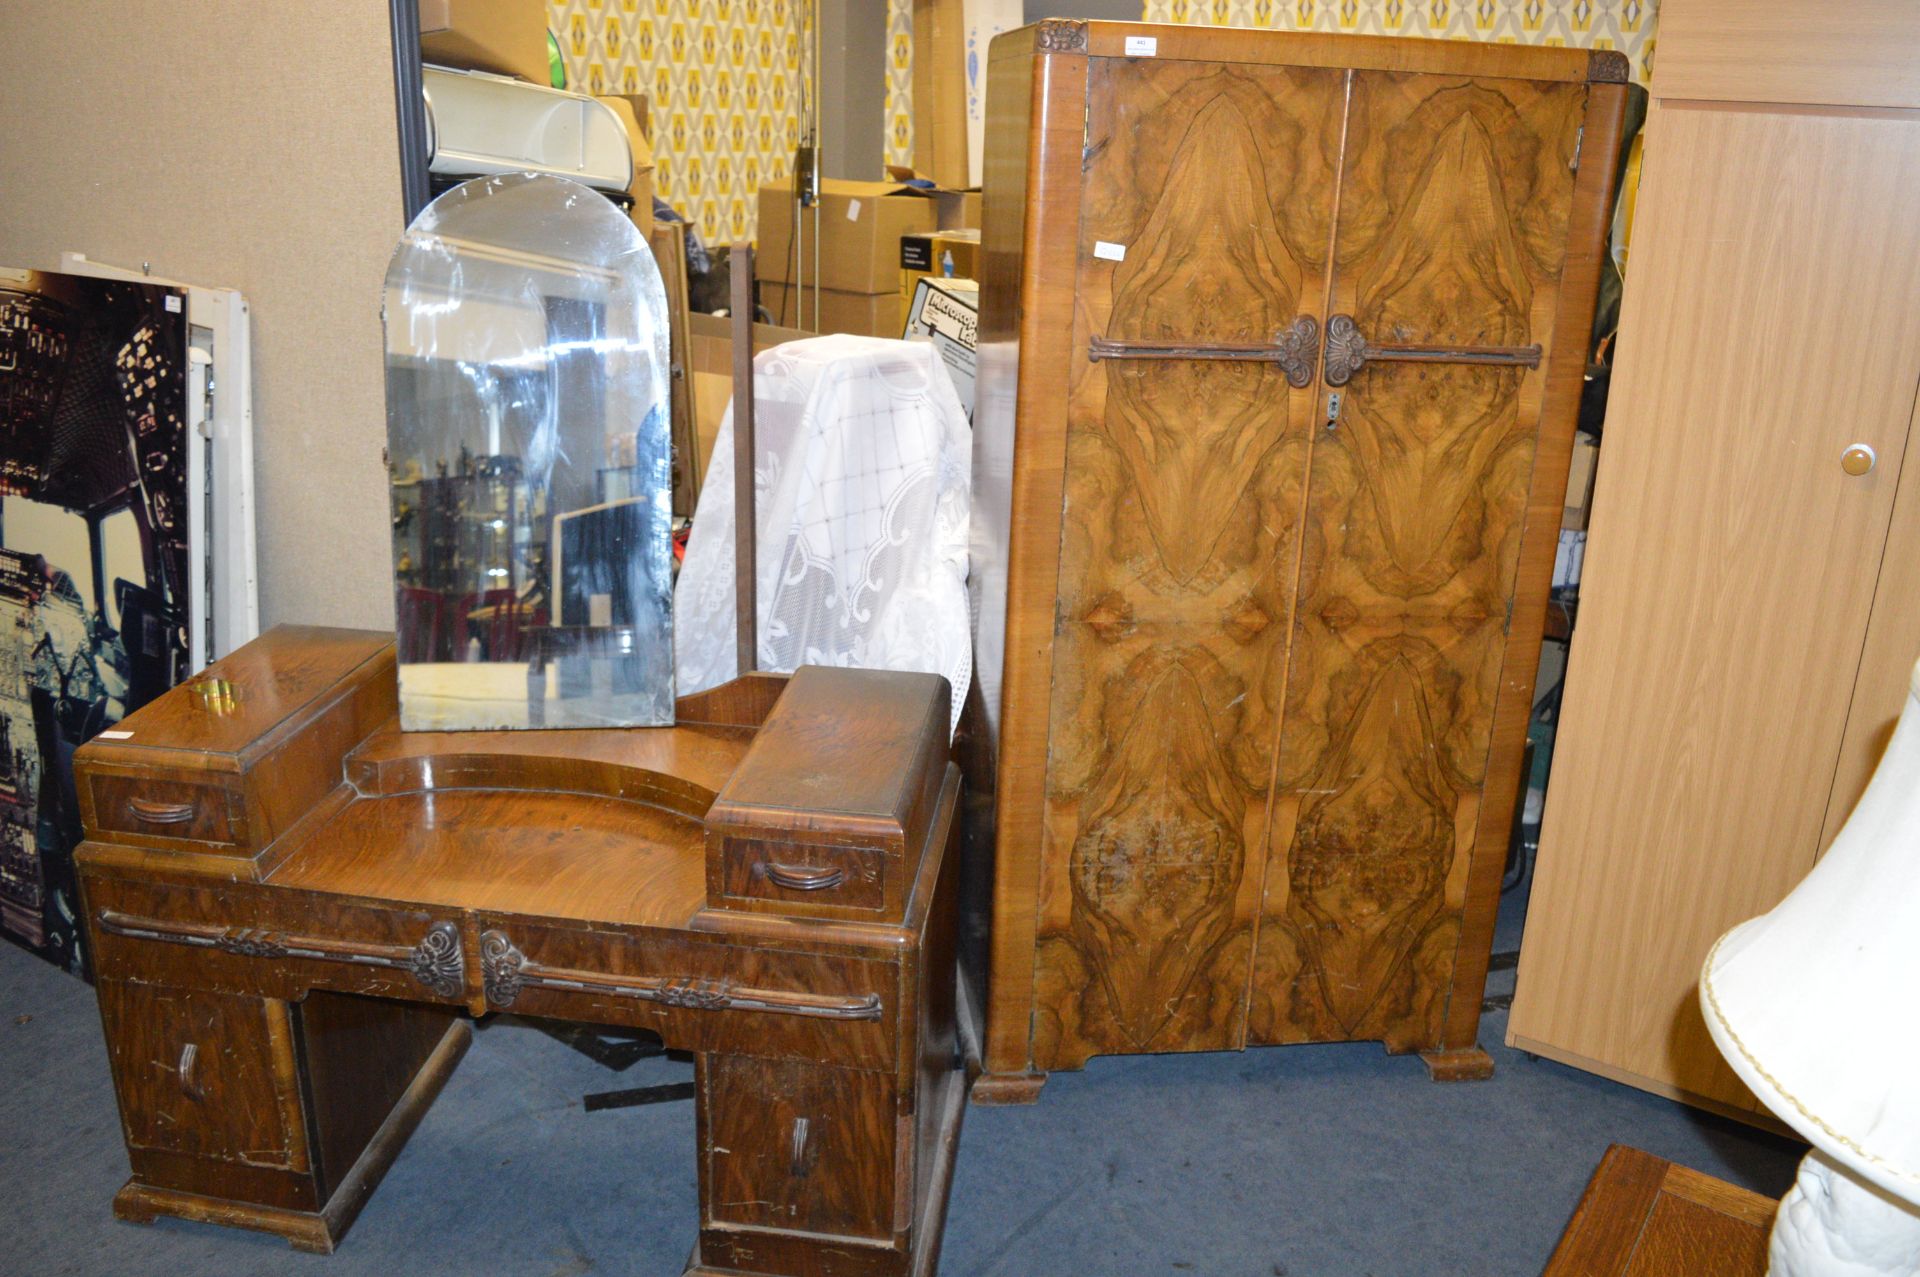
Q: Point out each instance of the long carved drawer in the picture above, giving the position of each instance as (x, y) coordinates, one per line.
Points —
(700, 995)
(238, 938)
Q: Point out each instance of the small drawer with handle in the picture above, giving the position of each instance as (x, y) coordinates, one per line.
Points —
(803, 874)
(157, 807)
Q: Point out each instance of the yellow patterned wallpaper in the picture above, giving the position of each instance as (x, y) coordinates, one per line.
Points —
(723, 76)
(900, 82)
(1626, 25)
(723, 82)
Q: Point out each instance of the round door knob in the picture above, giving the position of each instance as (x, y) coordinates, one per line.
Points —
(1858, 459)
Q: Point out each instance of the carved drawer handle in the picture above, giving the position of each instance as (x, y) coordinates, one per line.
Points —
(1348, 351)
(160, 813)
(505, 971)
(803, 877)
(188, 1054)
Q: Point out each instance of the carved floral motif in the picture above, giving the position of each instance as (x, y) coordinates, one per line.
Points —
(1294, 351)
(1057, 35)
(500, 969)
(437, 961)
(1346, 350)
(251, 942)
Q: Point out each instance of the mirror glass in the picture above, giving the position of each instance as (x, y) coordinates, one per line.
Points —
(529, 459)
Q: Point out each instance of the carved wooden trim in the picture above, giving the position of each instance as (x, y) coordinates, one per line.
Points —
(1293, 349)
(505, 971)
(1061, 35)
(436, 962)
(1348, 351)
(1607, 66)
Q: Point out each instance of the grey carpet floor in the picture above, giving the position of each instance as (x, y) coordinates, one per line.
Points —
(1319, 1161)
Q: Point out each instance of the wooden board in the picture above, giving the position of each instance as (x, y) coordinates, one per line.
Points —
(1454, 205)
(1730, 569)
(1036, 112)
(1184, 479)
(1645, 1217)
(669, 243)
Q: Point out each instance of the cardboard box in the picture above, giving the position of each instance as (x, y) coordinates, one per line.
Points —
(712, 380)
(870, 314)
(860, 228)
(938, 255)
(956, 210)
(947, 313)
(632, 110)
(940, 91)
(1579, 501)
(506, 37)
(953, 209)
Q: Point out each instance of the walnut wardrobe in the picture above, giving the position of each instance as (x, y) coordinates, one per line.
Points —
(1281, 342)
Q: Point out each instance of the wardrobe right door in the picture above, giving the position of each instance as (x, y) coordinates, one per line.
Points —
(1451, 233)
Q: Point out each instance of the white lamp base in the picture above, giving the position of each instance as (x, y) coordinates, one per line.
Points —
(1834, 1224)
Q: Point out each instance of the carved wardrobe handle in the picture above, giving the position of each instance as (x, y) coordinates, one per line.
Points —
(1348, 351)
(1293, 349)
(160, 813)
(803, 877)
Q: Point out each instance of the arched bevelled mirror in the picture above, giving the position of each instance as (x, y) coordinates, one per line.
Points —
(528, 452)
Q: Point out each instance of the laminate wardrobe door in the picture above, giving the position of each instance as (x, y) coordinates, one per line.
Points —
(1769, 325)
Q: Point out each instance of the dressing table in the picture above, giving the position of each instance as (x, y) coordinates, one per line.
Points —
(293, 908)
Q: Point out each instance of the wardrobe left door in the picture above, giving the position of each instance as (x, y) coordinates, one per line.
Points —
(1207, 197)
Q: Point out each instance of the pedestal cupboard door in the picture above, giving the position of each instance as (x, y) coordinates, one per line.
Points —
(1205, 218)
(1453, 210)
(792, 1145)
(205, 1074)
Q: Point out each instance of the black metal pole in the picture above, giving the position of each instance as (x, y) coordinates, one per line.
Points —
(410, 108)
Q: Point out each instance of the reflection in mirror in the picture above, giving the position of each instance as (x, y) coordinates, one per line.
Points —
(527, 440)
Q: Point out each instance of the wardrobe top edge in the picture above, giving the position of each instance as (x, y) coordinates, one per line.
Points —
(1073, 37)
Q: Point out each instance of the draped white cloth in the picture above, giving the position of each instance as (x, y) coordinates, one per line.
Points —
(861, 489)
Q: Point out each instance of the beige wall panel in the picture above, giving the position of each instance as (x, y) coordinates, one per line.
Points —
(250, 146)
(1730, 572)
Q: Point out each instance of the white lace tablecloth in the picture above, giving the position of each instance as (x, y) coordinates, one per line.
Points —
(861, 492)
